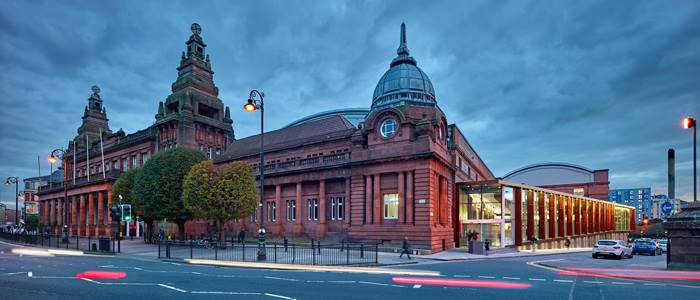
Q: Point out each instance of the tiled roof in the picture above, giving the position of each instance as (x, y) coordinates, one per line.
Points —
(331, 128)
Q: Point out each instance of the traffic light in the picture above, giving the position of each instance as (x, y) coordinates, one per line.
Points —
(126, 212)
(115, 213)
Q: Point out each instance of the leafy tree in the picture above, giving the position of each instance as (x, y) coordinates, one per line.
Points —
(125, 187)
(32, 222)
(158, 185)
(220, 194)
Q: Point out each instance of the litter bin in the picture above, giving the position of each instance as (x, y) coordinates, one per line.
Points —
(104, 244)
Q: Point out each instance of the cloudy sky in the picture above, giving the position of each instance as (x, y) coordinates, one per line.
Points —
(602, 84)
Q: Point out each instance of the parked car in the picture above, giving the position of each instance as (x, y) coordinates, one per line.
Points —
(646, 247)
(663, 244)
(613, 248)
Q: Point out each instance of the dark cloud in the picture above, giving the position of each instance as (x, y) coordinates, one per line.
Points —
(597, 83)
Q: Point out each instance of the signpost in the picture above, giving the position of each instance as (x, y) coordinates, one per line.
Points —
(667, 207)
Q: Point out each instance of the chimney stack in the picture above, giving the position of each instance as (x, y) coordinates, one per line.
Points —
(671, 174)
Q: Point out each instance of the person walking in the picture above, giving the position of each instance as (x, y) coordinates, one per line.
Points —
(405, 246)
(241, 236)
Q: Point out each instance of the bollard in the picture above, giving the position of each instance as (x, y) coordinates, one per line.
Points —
(362, 250)
(158, 248)
(313, 253)
(77, 242)
(275, 251)
(347, 253)
(294, 253)
(243, 243)
(216, 252)
(191, 248)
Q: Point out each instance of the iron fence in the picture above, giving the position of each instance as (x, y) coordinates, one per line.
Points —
(88, 244)
(314, 254)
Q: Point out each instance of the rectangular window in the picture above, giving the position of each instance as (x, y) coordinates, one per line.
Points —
(339, 206)
(125, 165)
(332, 208)
(312, 209)
(133, 161)
(272, 211)
(291, 210)
(309, 208)
(254, 216)
(391, 206)
(144, 156)
(315, 209)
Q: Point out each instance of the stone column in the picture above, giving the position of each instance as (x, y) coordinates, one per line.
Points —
(543, 219)
(346, 203)
(99, 229)
(83, 219)
(278, 204)
(59, 213)
(300, 204)
(402, 199)
(322, 201)
(409, 198)
(530, 232)
(552, 216)
(75, 214)
(377, 200)
(369, 200)
(108, 221)
(91, 213)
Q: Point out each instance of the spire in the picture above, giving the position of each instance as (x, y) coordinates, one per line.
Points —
(403, 48)
(402, 52)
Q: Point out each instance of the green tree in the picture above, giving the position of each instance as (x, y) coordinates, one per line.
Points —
(125, 186)
(220, 194)
(32, 222)
(158, 185)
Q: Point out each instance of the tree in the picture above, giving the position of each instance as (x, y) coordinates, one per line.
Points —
(32, 222)
(124, 186)
(158, 185)
(220, 194)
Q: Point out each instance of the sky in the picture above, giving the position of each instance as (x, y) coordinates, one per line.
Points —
(602, 84)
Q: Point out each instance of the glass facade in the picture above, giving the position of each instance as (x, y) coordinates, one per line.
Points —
(490, 210)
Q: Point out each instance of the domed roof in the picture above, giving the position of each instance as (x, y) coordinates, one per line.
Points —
(353, 115)
(404, 83)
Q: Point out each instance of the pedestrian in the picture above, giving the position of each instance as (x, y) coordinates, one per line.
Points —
(405, 246)
(487, 247)
(567, 243)
(241, 236)
(533, 240)
(286, 243)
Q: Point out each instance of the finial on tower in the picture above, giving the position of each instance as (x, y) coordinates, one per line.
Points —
(196, 29)
(403, 47)
(95, 89)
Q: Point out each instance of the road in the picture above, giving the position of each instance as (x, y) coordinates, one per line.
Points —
(542, 277)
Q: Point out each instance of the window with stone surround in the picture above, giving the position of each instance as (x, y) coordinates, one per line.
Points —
(391, 206)
(291, 210)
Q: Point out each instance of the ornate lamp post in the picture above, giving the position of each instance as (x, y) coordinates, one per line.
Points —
(252, 105)
(689, 122)
(10, 180)
(53, 158)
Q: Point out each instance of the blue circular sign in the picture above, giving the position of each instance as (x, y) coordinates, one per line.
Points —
(667, 207)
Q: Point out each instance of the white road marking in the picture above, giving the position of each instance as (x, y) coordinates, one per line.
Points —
(106, 266)
(396, 285)
(617, 282)
(598, 282)
(197, 273)
(223, 293)
(465, 276)
(655, 284)
(278, 296)
(513, 278)
(315, 281)
(15, 273)
(341, 281)
(137, 268)
(536, 279)
(373, 283)
(562, 280)
(488, 277)
(537, 265)
(416, 286)
(279, 278)
(172, 288)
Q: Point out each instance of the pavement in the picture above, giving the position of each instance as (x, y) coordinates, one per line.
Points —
(554, 276)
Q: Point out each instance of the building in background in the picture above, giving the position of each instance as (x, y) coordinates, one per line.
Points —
(639, 198)
(192, 116)
(565, 178)
(662, 207)
(3, 215)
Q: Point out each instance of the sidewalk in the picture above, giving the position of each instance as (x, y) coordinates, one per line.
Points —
(461, 254)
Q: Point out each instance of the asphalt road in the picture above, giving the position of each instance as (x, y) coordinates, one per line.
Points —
(542, 277)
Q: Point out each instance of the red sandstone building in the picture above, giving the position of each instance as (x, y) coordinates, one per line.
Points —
(192, 116)
(398, 169)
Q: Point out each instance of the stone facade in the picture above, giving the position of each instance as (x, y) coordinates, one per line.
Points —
(192, 116)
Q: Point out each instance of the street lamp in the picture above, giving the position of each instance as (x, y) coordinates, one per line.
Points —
(53, 158)
(253, 105)
(688, 123)
(10, 180)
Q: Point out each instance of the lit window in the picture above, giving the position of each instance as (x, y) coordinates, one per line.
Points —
(388, 128)
(337, 212)
(291, 210)
(391, 206)
(312, 209)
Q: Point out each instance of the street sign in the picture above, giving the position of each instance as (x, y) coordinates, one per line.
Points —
(667, 207)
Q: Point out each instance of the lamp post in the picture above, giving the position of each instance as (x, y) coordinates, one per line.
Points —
(53, 158)
(10, 180)
(688, 123)
(252, 105)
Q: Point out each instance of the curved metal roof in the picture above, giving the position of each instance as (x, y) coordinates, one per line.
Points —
(353, 115)
(548, 164)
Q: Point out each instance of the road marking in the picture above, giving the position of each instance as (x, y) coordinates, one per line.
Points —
(598, 282)
(15, 273)
(562, 280)
(488, 277)
(197, 273)
(223, 293)
(625, 283)
(106, 266)
(416, 286)
(537, 265)
(137, 268)
(315, 281)
(341, 281)
(278, 296)
(396, 285)
(172, 288)
(373, 283)
(536, 279)
(30, 274)
(655, 284)
(513, 278)
(465, 276)
(279, 278)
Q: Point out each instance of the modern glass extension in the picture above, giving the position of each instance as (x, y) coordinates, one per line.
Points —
(509, 214)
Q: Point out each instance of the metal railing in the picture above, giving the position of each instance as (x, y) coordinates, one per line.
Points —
(88, 244)
(314, 254)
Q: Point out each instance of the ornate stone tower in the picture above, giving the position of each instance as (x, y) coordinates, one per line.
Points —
(94, 120)
(193, 116)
